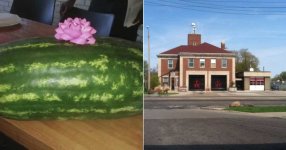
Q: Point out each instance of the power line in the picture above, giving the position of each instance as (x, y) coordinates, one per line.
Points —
(229, 6)
(207, 9)
(224, 8)
(213, 11)
(238, 1)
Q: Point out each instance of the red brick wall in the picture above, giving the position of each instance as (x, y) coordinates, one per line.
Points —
(194, 38)
(164, 65)
(207, 67)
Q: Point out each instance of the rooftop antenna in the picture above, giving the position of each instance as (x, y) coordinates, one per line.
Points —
(194, 27)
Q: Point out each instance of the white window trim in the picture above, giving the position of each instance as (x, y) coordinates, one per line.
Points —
(167, 78)
(204, 63)
(193, 63)
(213, 63)
(222, 63)
(170, 63)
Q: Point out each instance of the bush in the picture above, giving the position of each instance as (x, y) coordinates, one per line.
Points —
(151, 91)
(282, 87)
(154, 81)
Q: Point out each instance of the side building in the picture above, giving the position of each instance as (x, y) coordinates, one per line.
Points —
(253, 80)
(197, 66)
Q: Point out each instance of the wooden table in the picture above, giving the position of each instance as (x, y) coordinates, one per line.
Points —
(125, 134)
(26, 29)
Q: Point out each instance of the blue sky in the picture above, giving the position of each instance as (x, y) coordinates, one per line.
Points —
(263, 35)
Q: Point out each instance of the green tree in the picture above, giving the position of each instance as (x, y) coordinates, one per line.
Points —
(154, 80)
(281, 77)
(245, 60)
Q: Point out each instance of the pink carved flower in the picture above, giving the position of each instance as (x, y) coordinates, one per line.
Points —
(76, 30)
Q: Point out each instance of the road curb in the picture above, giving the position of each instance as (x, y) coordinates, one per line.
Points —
(213, 108)
(262, 98)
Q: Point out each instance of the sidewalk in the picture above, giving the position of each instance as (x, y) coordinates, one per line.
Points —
(225, 94)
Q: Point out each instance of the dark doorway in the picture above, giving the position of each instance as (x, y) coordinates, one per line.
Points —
(196, 82)
(173, 83)
(239, 85)
(218, 82)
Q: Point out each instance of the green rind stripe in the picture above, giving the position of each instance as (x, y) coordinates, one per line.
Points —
(65, 116)
(74, 110)
(55, 80)
(7, 69)
(5, 87)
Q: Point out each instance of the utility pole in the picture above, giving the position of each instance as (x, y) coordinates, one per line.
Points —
(149, 63)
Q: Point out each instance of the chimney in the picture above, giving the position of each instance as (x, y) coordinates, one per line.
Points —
(222, 45)
(194, 39)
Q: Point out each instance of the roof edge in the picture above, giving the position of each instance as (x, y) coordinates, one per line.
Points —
(207, 54)
(167, 55)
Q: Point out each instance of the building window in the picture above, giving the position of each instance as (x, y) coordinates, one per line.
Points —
(256, 81)
(170, 63)
(252, 82)
(191, 62)
(213, 63)
(202, 63)
(224, 63)
(165, 79)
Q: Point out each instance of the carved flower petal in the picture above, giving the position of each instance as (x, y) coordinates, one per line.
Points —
(66, 37)
(91, 40)
(80, 41)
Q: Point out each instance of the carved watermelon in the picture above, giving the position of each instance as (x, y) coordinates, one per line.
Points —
(45, 79)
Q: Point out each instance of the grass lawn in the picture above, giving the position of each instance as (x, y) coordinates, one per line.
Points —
(258, 109)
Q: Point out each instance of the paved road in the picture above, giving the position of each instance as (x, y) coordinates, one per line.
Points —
(184, 102)
(211, 130)
(215, 97)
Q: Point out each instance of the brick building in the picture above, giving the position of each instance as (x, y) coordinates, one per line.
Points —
(197, 66)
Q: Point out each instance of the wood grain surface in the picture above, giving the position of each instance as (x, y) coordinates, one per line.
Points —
(114, 134)
(125, 134)
(26, 29)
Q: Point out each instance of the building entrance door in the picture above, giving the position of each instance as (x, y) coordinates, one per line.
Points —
(218, 82)
(196, 82)
(173, 84)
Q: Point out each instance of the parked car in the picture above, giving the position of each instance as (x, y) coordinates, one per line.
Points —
(275, 86)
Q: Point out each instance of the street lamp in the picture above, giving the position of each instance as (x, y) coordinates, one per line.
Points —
(149, 63)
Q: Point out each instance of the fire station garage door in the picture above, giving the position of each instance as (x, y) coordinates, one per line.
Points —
(218, 82)
(196, 82)
(257, 84)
